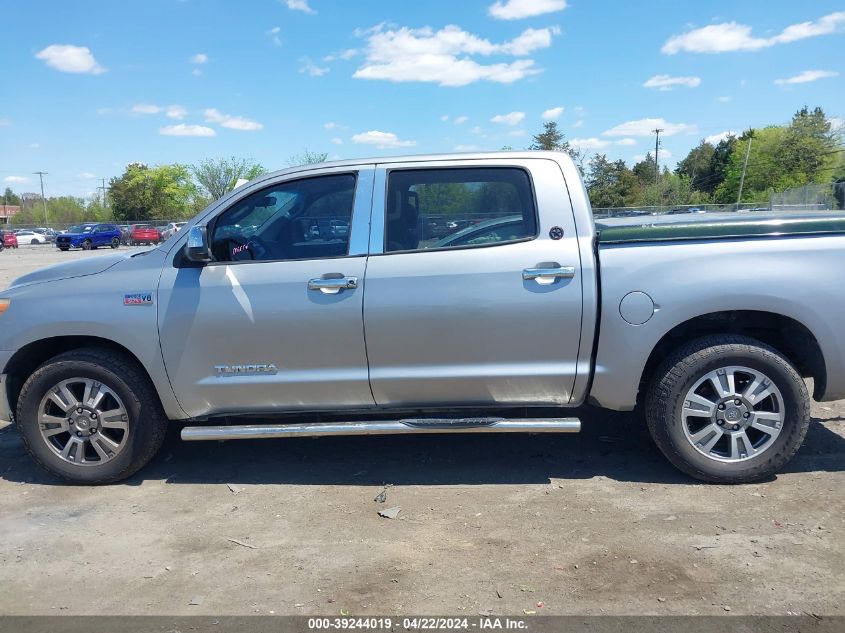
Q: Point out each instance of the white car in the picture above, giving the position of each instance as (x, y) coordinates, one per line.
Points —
(172, 228)
(30, 237)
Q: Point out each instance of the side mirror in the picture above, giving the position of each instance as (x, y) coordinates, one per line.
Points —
(197, 249)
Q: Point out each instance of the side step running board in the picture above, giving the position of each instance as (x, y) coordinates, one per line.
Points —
(386, 427)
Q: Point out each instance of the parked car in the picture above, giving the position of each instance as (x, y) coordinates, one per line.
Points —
(143, 234)
(10, 240)
(48, 233)
(26, 236)
(679, 318)
(89, 236)
(172, 229)
(124, 233)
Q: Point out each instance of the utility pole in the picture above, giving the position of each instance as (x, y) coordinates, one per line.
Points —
(744, 167)
(105, 199)
(656, 150)
(41, 175)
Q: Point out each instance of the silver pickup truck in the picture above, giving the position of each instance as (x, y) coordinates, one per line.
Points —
(470, 293)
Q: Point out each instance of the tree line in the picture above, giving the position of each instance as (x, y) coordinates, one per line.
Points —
(807, 150)
(149, 193)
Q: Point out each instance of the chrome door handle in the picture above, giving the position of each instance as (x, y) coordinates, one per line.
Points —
(563, 272)
(333, 285)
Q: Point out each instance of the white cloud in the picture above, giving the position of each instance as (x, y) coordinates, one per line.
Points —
(477, 130)
(16, 179)
(444, 118)
(300, 5)
(274, 35)
(806, 77)
(213, 115)
(578, 123)
(171, 111)
(445, 56)
(306, 66)
(663, 153)
(461, 120)
(730, 36)
(337, 141)
(145, 108)
(184, 129)
(724, 99)
(518, 9)
(346, 55)
(552, 114)
(175, 112)
(34, 145)
(589, 143)
(87, 175)
(70, 59)
(626, 141)
(331, 125)
(382, 140)
(512, 118)
(199, 58)
(646, 127)
(667, 82)
(837, 124)
(715, 139)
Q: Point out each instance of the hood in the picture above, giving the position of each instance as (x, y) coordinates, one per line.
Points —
(77, 268)
(72, 235)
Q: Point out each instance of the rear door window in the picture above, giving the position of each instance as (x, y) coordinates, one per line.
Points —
(458, 207)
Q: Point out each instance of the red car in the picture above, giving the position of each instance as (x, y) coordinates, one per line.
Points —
(10, 240)
(143, 234)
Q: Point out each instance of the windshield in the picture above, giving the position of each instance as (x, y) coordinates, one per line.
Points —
(79, 228)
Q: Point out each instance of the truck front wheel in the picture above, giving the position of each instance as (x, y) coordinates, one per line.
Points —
(90, 416)
(727, 409)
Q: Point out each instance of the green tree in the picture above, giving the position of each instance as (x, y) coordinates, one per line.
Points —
(11, 198)
(610, 183)
(218, 177)
(307, 157)
(697, 165)
(152, 193)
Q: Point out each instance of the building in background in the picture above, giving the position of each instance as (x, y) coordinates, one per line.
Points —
(7, 211)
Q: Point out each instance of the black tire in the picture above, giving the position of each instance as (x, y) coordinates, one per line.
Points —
(679, 372)
(63, 248)
(87, 245)
(147, 423)
(33, 242)
(115, 242)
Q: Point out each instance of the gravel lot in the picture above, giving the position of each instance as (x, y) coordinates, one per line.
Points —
(596, 523)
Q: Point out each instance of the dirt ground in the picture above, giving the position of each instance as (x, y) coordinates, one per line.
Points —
(596, 523)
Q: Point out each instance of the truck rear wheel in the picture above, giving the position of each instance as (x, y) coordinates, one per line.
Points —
(728, 409)
(90, 416)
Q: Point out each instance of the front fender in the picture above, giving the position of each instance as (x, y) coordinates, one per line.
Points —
(93, 306)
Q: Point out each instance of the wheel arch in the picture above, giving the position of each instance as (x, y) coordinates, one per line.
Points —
(29, 357)
(788, 336)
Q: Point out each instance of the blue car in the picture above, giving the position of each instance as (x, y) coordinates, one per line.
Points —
(88, 236)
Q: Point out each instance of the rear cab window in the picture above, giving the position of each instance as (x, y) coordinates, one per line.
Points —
(438, 208)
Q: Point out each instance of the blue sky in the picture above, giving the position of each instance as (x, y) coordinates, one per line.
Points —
(92, 85)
